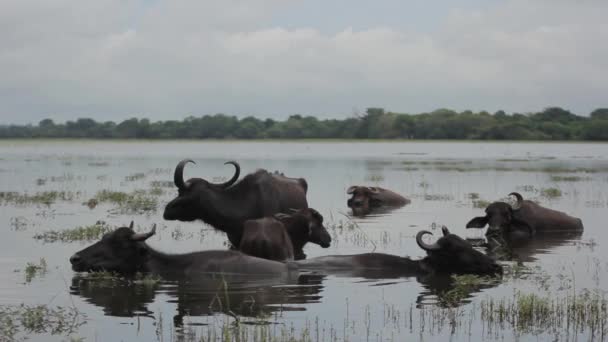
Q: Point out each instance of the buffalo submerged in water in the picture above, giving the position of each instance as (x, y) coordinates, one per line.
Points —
(524, 220)
(125, 252)
(367, 199)
(226, 206)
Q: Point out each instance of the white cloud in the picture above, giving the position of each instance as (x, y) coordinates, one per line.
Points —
(113, 59)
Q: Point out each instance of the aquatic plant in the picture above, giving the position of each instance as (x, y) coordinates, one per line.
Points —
(136, 202)
(17, 321)
(44, 197)
(556, 178)
(32, 270)
(550, 192)
(82, 233)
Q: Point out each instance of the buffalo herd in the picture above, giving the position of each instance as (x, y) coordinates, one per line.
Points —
(268, 221)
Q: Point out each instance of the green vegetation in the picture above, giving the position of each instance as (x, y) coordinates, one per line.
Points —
(16, 322)
(552, 123)
(462, 287)
(32, 270)
(84, 233)
(481, 204)
(44, 197)
(556, 178)
(136, 202)
(529, 313)
(551, 192)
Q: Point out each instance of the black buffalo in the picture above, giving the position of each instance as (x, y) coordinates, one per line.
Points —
(125, 252)
(283, 236)
(449, 254)
(523, 220)
(367, 198)
(266, 238)
(228, 205)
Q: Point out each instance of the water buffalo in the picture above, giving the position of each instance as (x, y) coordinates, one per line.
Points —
(365, 198)
(228, 205)
(449, 254)
(303, 226)
(124, 251)
(524, 219)
(266, 238)
(283, 236)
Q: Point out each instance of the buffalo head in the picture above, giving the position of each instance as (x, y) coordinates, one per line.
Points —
(305, 225)
(452, 254)
(121, 251)
(500, 216)
(363, 197)
(192, 195)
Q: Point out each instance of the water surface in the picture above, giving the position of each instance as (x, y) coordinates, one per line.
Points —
(443, 179)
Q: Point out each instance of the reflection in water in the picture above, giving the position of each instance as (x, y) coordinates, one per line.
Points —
(439, 287)
(205, 295)
(372, 211)
(525, 250)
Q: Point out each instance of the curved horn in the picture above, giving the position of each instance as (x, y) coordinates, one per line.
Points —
(237, 172)
(178, 176)
(131, 225)
(445, 231)
(351, 189)
(423, 245)
(520, 200)
(144, 236)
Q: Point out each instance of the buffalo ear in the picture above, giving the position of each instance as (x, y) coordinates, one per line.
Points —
(351, 189)
(478, 222)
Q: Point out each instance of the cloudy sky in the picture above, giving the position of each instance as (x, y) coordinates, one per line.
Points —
(116, 59)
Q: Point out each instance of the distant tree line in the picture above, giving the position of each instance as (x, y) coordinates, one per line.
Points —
(550, 124)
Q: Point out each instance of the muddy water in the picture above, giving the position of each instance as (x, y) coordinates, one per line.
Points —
(443, 179)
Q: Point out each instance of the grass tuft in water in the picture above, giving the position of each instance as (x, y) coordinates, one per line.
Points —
(462, 287)
(17, 322)
(32, 270)
(82, 233)
(136, 202)
(556, 178)
(44, 197)
(481, 204)
(551, 192)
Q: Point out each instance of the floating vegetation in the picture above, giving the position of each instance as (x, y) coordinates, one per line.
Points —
(99, 164)
(32, 270)
(481, 204)
(17, 321)
(438, 197)
(535, 314)
(18, 223)
(461, 288)
(513, 160)
(551, 192)
(135, 177)
(104, 279)
(44, 197)
(556, 178)
(374, 178)
(83, 233)
(147, 280)
(162, 184)
(136, 202)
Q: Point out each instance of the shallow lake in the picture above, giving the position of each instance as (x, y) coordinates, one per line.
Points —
(46, 185)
